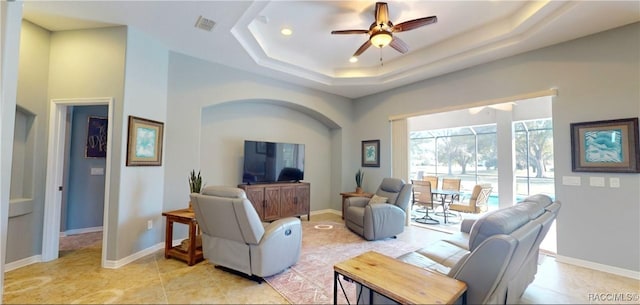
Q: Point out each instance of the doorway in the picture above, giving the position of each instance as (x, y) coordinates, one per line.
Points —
(55, 185)
(82, 199)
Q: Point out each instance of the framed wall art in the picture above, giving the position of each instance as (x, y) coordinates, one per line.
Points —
(371, 153)
(96, 146)
(605, 146)
(144, 142)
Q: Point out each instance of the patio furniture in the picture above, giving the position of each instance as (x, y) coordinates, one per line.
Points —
(478, 201)
(422, 196)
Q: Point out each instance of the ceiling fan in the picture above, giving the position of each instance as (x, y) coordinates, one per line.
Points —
(381, 30)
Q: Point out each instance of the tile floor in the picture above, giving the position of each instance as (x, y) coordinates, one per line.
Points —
(76, 277)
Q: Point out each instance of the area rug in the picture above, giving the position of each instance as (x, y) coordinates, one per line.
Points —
(324, 244)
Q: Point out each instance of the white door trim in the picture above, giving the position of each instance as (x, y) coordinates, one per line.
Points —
(55, 170)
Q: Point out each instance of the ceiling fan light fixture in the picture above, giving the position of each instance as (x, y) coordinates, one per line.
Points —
(382, 29)
(353, 59)
(381, 38)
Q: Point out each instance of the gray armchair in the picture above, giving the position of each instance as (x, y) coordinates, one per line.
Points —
(375, 221)
(233, 237)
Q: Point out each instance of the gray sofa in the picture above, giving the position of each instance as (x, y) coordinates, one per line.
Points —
(496, 254)
(375, 221)
(233, 236)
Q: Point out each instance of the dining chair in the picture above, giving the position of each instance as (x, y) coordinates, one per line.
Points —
(433, 180)
(452, 184)
(422, 197)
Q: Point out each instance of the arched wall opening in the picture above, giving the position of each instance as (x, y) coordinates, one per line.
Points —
(225, 127)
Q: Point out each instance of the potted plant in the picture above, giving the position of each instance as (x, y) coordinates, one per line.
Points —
(195, 183)
(359, 179)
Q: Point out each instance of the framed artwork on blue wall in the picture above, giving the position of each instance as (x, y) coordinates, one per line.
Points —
(96, 146)
(605, 146)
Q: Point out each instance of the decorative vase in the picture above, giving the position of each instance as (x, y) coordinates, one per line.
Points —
(359, 190)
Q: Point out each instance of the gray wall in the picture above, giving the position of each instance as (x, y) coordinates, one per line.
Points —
(201, 93)
(99, 63)
(141, 188)
(597, 79)
(64, 65)
(24, 233)
(85, 191)
(226, 126)
(10, 16)
(89, 64)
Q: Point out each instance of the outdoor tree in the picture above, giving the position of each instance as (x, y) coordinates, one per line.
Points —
(535, 147)
(454, 148)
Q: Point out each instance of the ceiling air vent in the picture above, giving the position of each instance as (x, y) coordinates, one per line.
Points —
(205, 24)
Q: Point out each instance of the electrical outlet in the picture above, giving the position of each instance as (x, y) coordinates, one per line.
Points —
(614, 182)
(149, 224)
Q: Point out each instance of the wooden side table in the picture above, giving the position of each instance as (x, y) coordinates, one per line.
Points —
(397, 280)
(193, 255)
(346, 195)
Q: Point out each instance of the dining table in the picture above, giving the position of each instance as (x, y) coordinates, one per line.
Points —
(443, 194)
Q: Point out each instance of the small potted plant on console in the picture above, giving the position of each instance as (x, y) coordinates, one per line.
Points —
(359, 179)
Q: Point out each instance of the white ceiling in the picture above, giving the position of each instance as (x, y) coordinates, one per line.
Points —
(247, 34)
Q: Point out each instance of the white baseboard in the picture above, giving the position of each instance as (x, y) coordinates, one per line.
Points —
(82, 231)
(110, 264)
(22, 263)
(600, 267)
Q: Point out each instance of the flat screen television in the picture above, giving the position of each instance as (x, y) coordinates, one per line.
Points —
(267, 162)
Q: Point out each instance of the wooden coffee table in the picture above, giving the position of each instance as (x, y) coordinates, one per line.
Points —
(397, 280)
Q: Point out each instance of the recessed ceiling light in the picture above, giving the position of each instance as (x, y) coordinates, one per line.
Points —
(353, 59)
(286, 31)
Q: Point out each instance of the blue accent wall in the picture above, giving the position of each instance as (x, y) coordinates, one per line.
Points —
(85, 192)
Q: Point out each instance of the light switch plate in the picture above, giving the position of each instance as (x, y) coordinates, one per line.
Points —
(97, 171)
(571, 180)
(596, 181)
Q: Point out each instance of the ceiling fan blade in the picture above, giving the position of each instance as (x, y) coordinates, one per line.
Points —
(382, 13)
(399, 45)
(362, 48)
(415, 23)
(350, 32)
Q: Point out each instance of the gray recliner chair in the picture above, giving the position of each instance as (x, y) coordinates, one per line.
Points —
(375, 221)
(233, 237)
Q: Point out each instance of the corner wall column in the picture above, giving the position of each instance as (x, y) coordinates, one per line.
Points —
(506, 158)
(10, 26)
(400, 153)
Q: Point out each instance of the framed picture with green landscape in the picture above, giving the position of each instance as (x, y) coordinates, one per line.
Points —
(144, 142)
(371, 153)
(605, 146)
